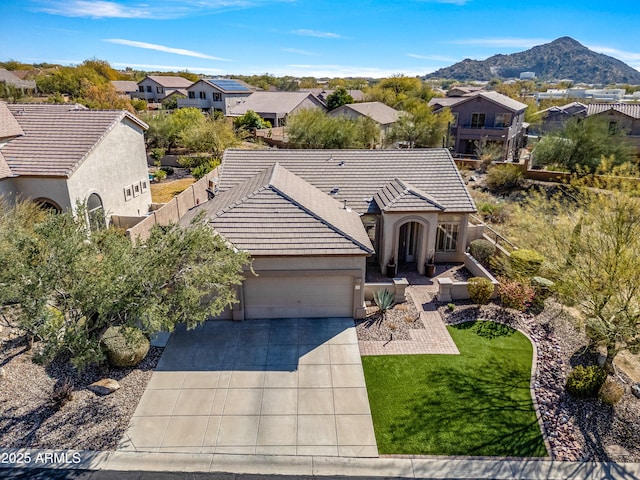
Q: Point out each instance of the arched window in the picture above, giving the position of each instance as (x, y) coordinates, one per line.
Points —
(48, 205)
(95, 211)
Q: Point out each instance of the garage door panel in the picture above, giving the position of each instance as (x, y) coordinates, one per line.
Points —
(299, 296)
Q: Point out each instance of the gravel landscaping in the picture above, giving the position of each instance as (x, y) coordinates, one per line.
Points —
(397, 323)
(577, 429)
(87, 422)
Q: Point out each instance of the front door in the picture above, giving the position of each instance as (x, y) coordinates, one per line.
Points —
(408, 242)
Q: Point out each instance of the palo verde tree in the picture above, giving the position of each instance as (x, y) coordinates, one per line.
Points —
(581, 145)
(418, 126)
(71, 284)
(312, 128)
(591, 240)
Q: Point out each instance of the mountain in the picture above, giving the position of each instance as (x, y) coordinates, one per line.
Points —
(561, 59)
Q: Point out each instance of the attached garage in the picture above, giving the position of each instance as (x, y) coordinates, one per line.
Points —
(299, 296)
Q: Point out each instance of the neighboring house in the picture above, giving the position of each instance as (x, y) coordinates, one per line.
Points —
(215, 94)
(125, 88)
(323, 93)
(275, 107)
(485, 117)
(619, 116)
(154, 88)
(57, 155)
(460, 91)
(311, 219)
(382, 114)
(8, 78)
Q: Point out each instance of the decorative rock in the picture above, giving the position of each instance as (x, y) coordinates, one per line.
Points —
(106, 386)
(3, 373)
(635, 389)
(616, 450)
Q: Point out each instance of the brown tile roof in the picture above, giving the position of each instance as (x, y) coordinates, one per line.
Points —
(401, 196)
(9, 126)
(274, 212)
(170, 82)
(357, 175)
(378, 111)
(124, 86)
(57, 138)
(272, 102)
(5, 171)
(629, 109)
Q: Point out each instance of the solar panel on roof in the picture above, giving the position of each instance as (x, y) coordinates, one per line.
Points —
(227, 84)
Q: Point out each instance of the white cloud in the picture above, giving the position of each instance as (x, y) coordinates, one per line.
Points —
(168, 68)
(341, 71)
(437, 58)
(315, 33)
(619, 54)
(507, 42)
(158, 9)
(300, 52)
(162, 48)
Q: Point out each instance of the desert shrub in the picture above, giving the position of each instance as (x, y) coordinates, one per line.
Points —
(159, 175)
(515, 294)
(480, 290)
(584, 382)
(62, 393)
(451, 306)
(525, 263)
(543, 288)
(482, 250)
(494, 212)
(611, 392)
(168, 170)
(503, 179)
(125, 346)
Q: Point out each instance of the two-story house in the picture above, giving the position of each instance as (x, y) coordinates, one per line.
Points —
(484, 117)
(154, 88)
(216, 94)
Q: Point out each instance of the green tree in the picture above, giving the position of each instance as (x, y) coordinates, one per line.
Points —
(250, 121)
(418, 126)
(312, 128)
(581, 145)
(71, 285)
(168, 130)
(338, 98)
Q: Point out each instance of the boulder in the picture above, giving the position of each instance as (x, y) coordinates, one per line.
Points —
(635, 389)
(106, 386)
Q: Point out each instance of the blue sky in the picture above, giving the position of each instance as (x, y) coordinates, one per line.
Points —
(373, 38)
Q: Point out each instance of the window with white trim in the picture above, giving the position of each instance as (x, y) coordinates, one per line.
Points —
(447, 233)
(503, 120)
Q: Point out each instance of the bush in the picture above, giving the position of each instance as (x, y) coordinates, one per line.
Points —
(62, 393)
(525, 263)
(584, 382)
(384, 299)
(482, 250)
(611, 392)
(125, 346)
(159, 175)
(503, 178)
(514, 294)
(451, 306)
(168, 170)
(543, 288)
(480, 290)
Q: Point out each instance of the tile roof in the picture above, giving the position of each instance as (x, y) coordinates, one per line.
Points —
(57, 138)
(5, 171)
(9, 126)
(357, 175)
(402, 196)
(125, 86)
(378, 111)
(274, 212)
(495, 97)
(629, 109)
(170, 82)
(445, 101)
(271, 102)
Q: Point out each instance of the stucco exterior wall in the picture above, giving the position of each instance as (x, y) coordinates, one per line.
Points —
(53, 189)
(118, 161)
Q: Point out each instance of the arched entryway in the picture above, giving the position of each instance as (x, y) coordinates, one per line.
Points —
(411, 244)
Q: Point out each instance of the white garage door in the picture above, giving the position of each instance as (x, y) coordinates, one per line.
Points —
(299, 296)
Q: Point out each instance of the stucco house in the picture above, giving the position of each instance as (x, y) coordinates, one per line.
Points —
(154, 88)
(10, 78)
(275, 107)
(484, 117)
(216, 94)
(59, 154)
(382, 114)
(313, 221)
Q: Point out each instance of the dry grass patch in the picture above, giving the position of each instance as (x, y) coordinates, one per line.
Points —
(165, 191)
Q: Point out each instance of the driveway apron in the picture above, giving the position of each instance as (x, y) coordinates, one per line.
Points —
(266, 387)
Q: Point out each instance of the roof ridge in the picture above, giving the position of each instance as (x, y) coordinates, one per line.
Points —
(324, 221)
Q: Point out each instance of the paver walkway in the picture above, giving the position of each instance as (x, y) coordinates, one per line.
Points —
(433, 339)
(265, 387)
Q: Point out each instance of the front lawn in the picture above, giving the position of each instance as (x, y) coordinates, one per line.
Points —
(475, 403)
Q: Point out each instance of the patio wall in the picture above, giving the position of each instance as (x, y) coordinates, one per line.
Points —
(396, 286)
(449, 290)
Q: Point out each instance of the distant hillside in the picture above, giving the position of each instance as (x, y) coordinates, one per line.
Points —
(561, 59)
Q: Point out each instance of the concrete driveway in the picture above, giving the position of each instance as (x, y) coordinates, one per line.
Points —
(273, 387)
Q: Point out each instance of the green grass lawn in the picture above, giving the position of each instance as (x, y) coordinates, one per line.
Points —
(475, 403)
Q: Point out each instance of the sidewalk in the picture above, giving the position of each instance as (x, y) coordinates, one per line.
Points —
(386, 467)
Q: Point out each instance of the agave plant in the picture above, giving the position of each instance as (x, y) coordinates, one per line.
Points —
(384, 300)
